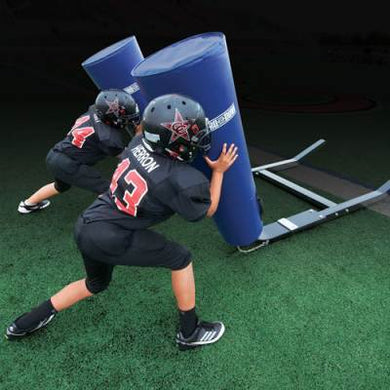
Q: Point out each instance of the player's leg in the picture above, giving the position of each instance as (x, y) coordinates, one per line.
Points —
(44, 192)
(72, 172)
(97, 280)
(183, 286)
(70, 295)
(193, 332)
(68, 170)
(39, 200)
(89, 178)
(61, 168)
(147, 248)
(40, 316)
(150, 248)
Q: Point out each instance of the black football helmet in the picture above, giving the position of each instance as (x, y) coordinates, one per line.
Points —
(176, 126)
(117, 108)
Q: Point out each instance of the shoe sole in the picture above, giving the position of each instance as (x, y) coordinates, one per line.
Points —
(22, 210)
(185, 347)
(14, 336)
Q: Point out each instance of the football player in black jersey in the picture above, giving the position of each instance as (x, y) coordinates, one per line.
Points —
(100, 132)
(153, 181)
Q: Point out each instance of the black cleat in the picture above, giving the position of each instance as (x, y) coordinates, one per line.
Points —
(205, 333)
(14, 332)
(23, 208)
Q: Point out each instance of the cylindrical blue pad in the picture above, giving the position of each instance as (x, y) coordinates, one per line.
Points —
(199, 67)
(111, 68)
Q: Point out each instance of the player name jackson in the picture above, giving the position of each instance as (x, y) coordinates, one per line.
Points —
(144, 158)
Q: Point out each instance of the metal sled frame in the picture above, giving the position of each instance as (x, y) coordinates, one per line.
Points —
(328, 210)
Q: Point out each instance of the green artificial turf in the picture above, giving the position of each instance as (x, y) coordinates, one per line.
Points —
(308, 312)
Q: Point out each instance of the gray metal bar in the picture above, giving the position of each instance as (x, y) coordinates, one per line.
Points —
(277, 166)
(296, 189)
(309, 149)
(360, 201)
(309, 218)
(285, 227)
(291, 162)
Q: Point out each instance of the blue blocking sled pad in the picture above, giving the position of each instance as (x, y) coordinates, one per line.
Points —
(199, 67)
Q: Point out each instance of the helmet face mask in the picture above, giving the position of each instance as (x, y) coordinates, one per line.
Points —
(176, 126)
(200, 142)
(202, 138)
(117, 108)
(127, 119)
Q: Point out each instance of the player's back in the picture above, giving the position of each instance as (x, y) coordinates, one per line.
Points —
(90, 140)
(148, 188)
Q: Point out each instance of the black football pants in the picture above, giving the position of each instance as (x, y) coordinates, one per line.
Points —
(104, 244)
(68, 172)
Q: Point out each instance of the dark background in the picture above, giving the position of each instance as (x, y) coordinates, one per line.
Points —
(280, 52)
(46, 42)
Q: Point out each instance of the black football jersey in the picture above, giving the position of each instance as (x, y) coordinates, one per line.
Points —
(90, 140)
(148, 188)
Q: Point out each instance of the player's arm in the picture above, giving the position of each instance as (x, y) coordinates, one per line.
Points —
(219, 167)
(112, 148)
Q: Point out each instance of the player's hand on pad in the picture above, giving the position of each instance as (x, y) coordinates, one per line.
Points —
(225, 160)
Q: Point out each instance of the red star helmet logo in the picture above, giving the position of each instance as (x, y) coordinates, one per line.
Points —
(113, 107)
(178, 127)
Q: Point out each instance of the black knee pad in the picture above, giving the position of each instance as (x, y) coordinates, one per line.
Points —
(97, 285)
(61, 186)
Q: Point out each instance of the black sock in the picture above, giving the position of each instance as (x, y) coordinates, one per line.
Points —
(37, 314)
(188, 322)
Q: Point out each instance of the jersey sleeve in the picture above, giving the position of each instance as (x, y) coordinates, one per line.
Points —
(111, 150)
(193, 203)
(190, 195)
(111, 144)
